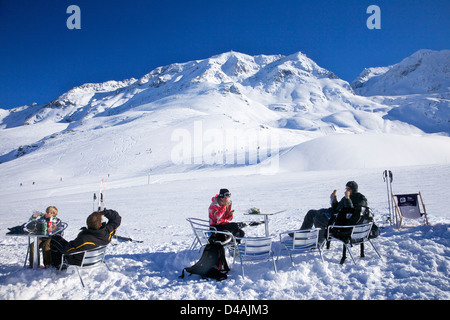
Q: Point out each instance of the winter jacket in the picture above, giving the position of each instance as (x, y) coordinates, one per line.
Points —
(356, 200)
(218, 214)
(89, 239)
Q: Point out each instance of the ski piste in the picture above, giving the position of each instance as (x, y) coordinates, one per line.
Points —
(388, 178)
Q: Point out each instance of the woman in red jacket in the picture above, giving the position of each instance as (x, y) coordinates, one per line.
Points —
(220, 214)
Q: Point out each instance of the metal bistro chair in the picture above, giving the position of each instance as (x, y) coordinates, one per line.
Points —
(358, 234)
(225, 238)
(255, 248)
(302, 241)
(202, 232)
(91, 258)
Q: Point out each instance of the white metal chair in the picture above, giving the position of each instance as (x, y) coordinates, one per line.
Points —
(91, 258)
(301, 241)
(357, 234)
(408, 206)
(202, 232)
(255, 248)
(225, 238)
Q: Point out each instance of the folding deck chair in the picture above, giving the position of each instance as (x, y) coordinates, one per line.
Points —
(408, 206)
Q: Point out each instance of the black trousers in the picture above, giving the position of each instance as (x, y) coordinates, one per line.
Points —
(57, 245)
(231, 227)
(319, 219)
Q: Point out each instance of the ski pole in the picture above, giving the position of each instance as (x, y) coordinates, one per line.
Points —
(391, 195)
(385, 178)
(391, 178)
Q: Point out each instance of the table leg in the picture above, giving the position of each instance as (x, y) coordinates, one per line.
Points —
(35, 253)
(266, 222)
(28, 253)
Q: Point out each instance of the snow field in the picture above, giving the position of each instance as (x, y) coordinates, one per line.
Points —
(415, 263)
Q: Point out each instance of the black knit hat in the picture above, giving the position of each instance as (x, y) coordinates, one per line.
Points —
(352, 185)
(224, 193)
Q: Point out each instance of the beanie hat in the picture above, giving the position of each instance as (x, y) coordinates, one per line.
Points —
(352, 185)
(224, 193)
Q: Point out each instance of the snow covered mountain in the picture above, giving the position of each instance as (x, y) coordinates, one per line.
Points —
(165, 143)
(425, 71)
(417, 89)
(216, 110)
(293, 83)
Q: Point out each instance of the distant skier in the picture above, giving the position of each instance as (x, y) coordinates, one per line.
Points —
(221, 214)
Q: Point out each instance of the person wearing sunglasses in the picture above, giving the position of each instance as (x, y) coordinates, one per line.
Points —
(321, 218)
(221, 214)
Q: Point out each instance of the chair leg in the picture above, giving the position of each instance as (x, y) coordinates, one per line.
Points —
(320, 252)
(290, 255)
(193, 244)
(375, 248)
(350, 253)
(106, 266)
(81, 279)
(28, 252)
(292, 260)
(279, 252)
(274, 265)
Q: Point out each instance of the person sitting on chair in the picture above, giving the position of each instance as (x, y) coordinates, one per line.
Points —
(321, 218)
(96, 234)
(220, 214)
(39, 218)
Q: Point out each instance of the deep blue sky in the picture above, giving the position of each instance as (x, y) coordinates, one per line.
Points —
(40, 58)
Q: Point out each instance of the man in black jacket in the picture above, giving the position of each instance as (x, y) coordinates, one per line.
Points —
(96, 234)
(320, 218)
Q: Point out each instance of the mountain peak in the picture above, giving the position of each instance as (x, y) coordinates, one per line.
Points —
(425, 71)
(300, 61)
(293, 89)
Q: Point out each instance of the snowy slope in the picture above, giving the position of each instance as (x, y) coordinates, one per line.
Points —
(425, 71)
(417, 89)
(142, 121)
(414, 262)
(335, 152)
(279, 132)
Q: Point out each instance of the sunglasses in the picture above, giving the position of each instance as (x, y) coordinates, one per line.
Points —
(225, 195)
